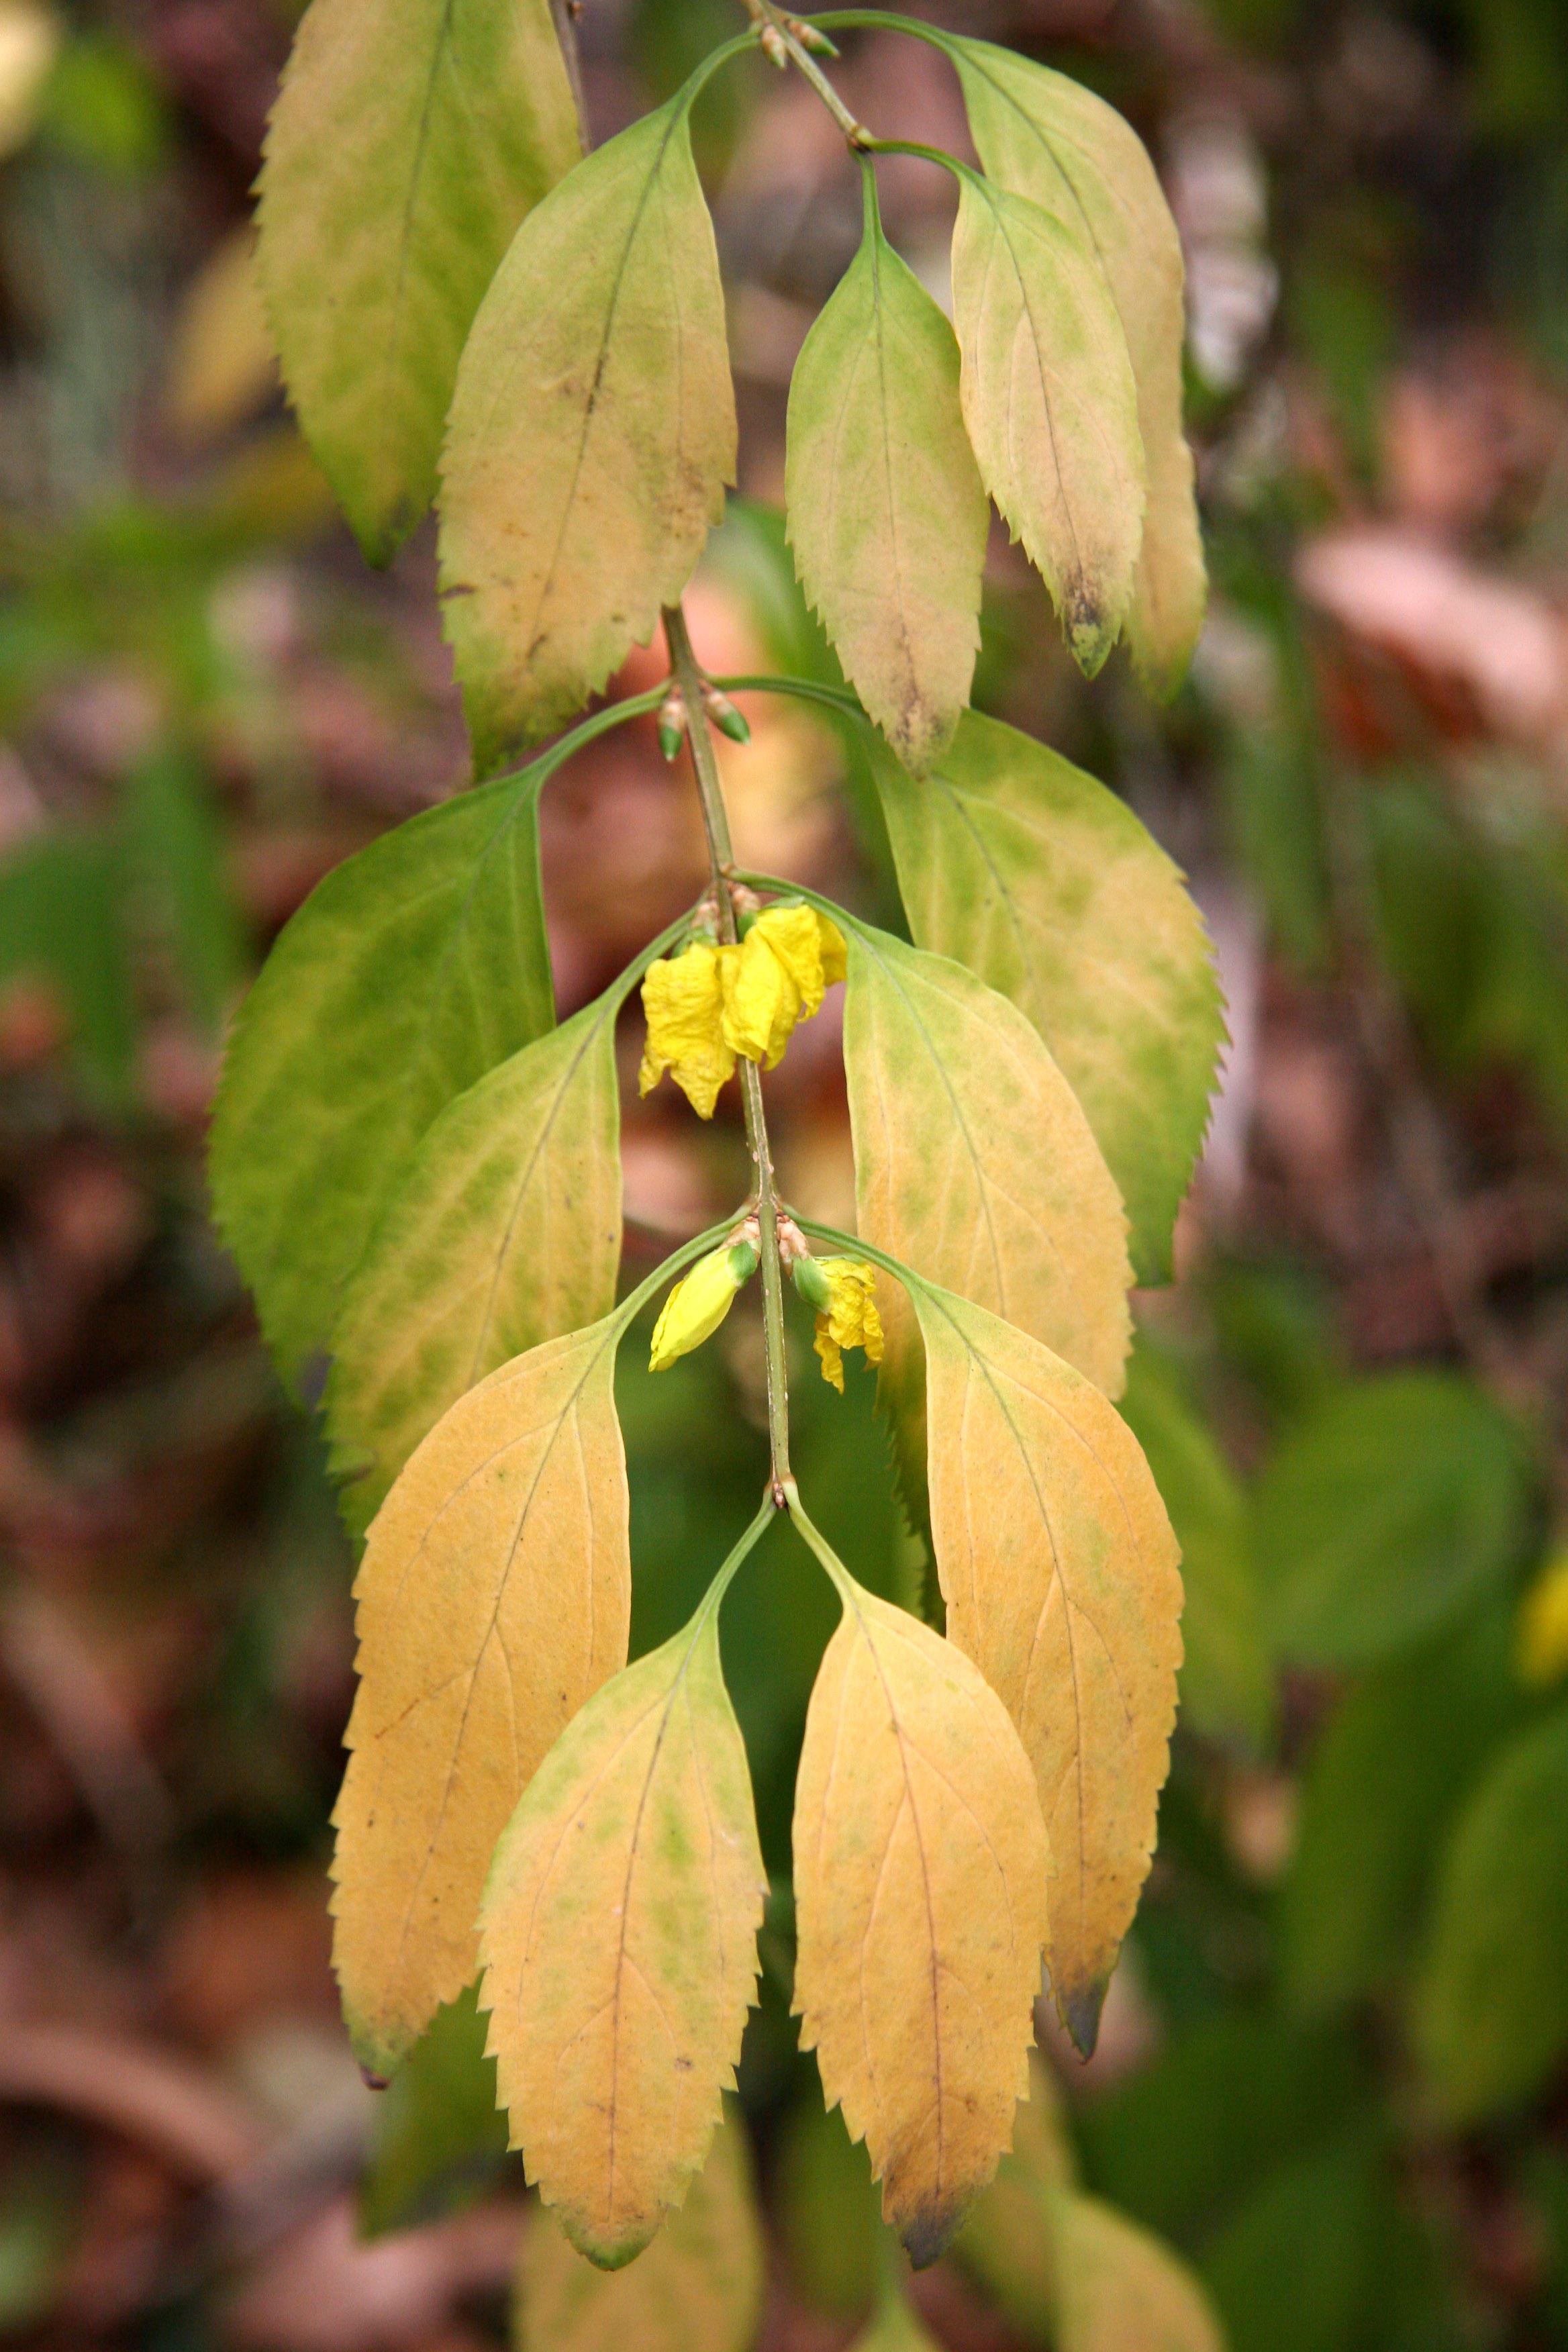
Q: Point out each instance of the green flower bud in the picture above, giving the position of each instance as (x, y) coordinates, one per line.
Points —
(812, 1284)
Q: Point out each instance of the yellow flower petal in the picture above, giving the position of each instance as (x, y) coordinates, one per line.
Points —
(851, 1319)
(762, 1002)
(699, 1302)
(1543, 1626)
(683, 1000)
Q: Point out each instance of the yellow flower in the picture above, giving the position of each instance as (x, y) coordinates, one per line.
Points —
(710, 1004)
(849, 1318)
(683, 1000)
(788, 959)
(1542, 1633)
(699, 1302)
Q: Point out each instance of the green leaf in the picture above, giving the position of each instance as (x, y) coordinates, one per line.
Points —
(1492, 1997)
(894, 2327)
(493, 1600)
(619, 1938)
(505, 1231)
(1396, 1506)
(1051, 405)
(1293, 2268)
(699, 2284)
(1044, 137)
(412, 970)
(1384, 1778)
(973, 1163)
(887, 514)
(591, 433)
(409, 139)
(438, 2141)
(825, 2205)
(1058, 1568)
(1018, 865)
(1226, 1681)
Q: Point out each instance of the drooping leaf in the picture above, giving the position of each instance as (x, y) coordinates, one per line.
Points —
(1006, 2243)
(1226, 1681)
(505, 1233)
(1051, 405)
(619, 1940)
(1395, 1759)
(592, 434)
(437, 2142)
(1492, 1997)
(1122, 2290)
(408, 140)
(824, 2205)
(920, 1876)
(699, 2284)
(887, 514)
(1387, 1514)
(1018, 865)
(973, 1163)
(413, 969)
(1042, 136)
(1059, 1570)
(493, 1598)
(893, 2328)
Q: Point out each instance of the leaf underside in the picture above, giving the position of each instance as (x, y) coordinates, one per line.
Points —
(920, 1876)
(413, 969)
(1045, 137)
(619, 1945)
(700, 2282)
(409, 139)
(1059, 1572)
(887, 513)
(1041, 881)
(1051, 405)
(505, 1233)
(494, 1596)
(592, 434)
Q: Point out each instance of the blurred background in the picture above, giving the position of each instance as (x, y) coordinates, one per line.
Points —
(1334, 2066)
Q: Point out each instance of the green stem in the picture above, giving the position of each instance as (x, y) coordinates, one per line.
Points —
(721, 856)
(801, 58)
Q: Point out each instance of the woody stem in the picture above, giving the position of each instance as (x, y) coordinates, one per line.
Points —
(721, 857)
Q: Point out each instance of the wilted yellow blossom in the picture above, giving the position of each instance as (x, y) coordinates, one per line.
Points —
(850, 1319)
(788, 959)
(699, 1302)
(710, 1005)
(1541, 1633)
(683, 1000)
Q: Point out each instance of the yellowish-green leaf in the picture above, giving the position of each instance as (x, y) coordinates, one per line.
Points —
(1051, 405)
(505, 1233)
(494, 1596)
(1040, 880)
(1068, 2271)
(699, 2285)
(412, 970)
(1060, 1575)
(619, 1940)
(919, 1879)
(591, 433)
(887, 513)
(894, 2327)
(408, 140)
(973, 1163)
(1048, 139)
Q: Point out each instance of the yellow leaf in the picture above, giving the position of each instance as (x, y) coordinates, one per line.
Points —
(1061, 1574)
(1120, 2290)
(222, 364)
(619, 1940)
(504, 1233)
(591, 436)
(698, 2288)
(973, 1163)
(920, 1876)
(494, 1596)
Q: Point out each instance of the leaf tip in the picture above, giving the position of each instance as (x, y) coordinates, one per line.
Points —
(1079, 2011)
